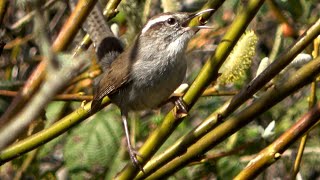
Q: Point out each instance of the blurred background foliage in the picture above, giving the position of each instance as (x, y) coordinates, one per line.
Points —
(95, 149)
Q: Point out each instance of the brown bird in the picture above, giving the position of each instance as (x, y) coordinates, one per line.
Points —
(147, 72)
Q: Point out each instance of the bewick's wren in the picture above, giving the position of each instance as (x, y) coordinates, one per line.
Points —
(148, 72)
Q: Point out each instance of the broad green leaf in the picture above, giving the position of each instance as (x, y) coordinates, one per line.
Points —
(93, 146)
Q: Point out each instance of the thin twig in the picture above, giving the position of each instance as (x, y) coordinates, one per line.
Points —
(208, 74)
(312, 102)
(65, 36)
(273, 152)
(275, 68)
(28, 17)
(59, 97)
(303, 76)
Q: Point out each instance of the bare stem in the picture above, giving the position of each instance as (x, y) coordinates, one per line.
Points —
(207, 75)
(65, 36)
(304, 76)
(312, 102)
(273, 152)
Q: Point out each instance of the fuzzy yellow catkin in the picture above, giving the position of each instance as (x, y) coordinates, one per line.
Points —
(239, 60)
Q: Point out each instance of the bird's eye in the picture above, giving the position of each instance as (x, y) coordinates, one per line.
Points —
(171, 21)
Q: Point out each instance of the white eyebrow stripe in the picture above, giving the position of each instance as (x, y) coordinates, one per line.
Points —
(155, 21)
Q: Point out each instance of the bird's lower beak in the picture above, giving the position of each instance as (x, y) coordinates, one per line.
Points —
(193, 15)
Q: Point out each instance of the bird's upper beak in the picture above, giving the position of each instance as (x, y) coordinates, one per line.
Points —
(193, 15)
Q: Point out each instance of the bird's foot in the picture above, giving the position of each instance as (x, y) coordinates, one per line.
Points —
(133, 156)
(181, 109)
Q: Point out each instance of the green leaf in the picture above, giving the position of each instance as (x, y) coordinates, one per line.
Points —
(93, 146)
(53, 112)
(229, 167)
(295, 8)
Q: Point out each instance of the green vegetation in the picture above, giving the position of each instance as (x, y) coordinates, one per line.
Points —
(236, 111)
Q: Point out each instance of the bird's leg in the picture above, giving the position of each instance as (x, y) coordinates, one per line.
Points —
(132, 152)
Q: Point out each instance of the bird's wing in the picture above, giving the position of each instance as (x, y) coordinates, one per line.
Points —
(111, 80)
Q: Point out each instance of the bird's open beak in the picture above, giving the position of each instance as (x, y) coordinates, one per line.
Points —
(193, 15)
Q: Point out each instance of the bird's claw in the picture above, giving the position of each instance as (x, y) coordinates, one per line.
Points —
(133, 156)
(181, 108)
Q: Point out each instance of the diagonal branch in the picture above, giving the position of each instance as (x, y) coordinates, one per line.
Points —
(303, 76)
(273, 152)
(207, 75)
(66, 35)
